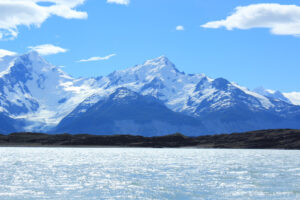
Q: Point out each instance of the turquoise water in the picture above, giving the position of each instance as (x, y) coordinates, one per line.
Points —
(137, 173)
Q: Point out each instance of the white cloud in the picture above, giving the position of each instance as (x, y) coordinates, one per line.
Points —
(4, 52)
(122, 2)
(97, 58)
(280, 19)
(179, 28)
(14, 13)
(48, 49)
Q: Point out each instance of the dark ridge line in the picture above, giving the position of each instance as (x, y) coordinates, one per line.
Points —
(261, 139)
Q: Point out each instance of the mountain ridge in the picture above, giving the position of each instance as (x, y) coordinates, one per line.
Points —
(40, 96)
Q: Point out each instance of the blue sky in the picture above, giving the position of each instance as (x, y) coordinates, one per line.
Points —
(262, 51)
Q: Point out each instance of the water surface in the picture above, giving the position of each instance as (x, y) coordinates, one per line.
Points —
(138, 173)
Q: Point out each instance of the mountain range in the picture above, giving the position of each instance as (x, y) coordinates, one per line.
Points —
(150, 99)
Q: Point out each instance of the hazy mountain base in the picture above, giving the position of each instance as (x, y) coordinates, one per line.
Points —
(263, 139)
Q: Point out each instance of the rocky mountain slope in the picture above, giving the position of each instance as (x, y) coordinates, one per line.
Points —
(127, 112)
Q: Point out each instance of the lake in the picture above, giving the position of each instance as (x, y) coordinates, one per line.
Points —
(140, 173)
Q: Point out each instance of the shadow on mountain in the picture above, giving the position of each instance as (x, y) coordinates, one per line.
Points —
(127, 112)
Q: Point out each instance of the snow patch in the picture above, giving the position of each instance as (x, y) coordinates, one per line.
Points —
(294, 97)
(265, 102)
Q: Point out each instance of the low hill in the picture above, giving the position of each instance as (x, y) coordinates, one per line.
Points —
(263, 139)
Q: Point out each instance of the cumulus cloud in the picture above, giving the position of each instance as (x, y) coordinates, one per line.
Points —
(122, 2)
(48, 49)
(14, 13)
(280, 19)
(97, 58)
(4, 52)
(179, 28)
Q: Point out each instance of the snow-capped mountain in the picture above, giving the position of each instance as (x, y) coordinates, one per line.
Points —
(38, 92)
(41, 96)
(179, 91)
(221, 105)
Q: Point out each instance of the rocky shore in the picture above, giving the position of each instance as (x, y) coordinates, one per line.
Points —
(263, 139)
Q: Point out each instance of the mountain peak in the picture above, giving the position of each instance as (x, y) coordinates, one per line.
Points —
(31, 55)
(160, 67)
(157, 65)
(123, 92)
(161, 61)
(33, 61)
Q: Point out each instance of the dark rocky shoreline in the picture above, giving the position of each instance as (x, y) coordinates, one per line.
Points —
(262, 139)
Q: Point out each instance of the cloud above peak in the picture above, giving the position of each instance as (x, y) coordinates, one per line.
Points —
(47, 49)
(97, 58)
(15, 13)
(280, 19)
(4, 52)
(122, 2)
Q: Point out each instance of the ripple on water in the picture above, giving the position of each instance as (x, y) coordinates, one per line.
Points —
(137, 173)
